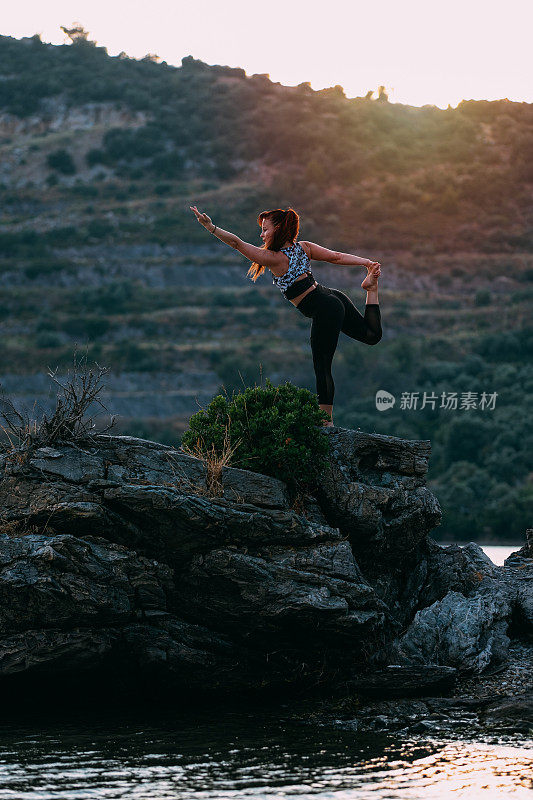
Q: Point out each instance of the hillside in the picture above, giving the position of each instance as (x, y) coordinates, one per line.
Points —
(100, 158)
(398, 175)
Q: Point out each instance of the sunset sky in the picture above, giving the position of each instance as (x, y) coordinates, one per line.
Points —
(422, 51)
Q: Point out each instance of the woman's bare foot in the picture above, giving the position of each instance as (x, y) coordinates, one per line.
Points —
(328, 408)
(371, 280)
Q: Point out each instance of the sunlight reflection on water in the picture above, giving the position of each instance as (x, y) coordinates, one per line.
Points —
(249, 756)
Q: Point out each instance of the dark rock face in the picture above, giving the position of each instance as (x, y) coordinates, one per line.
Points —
(398, 680)
(442, 715)
(452, 569)
(512, 713)
(62, 581)
(527, 550)
(464, 612)
(464, 632)
(518, 579)
(116, 559)
(374, 491)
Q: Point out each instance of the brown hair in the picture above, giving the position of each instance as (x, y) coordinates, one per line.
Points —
(286, 225)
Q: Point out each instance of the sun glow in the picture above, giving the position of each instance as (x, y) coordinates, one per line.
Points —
(437, 52)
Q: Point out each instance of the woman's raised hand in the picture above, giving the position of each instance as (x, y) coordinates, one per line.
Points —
(203, 219)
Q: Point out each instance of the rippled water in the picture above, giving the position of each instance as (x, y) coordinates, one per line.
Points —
(246, 755)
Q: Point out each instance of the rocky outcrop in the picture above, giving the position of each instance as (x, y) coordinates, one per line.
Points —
(435, 716)
(56, 114)
(374, 490)
(118, 560)
(518, 578)
(465, 632)
(465, 612)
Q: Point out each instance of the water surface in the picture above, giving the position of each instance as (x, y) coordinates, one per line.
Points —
(159, 755)
(496, 552)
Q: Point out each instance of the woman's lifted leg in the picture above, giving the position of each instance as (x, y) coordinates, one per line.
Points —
(365, 328)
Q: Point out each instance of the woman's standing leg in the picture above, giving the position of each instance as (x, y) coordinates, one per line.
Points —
(325, 330)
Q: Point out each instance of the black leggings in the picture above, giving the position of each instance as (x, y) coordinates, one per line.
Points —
(332, 311)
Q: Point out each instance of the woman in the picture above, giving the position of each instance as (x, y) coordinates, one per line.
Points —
(330, 309)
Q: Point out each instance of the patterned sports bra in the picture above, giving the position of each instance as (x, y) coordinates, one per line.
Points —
(298, 265)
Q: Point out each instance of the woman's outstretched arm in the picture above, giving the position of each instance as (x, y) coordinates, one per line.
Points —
(319, 253)
(267, 258)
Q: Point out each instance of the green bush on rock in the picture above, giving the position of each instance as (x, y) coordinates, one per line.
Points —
(276, 430)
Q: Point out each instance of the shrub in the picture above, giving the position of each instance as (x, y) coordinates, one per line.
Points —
(48, 339)
(525, 276)
(95, 156)
(274, 430)
(120, 143)
(67, 424)
(61, 160)
(22, 244)
(98, 228)
(448, 201)
(47, 266)
(483, 297)
(466, 438)
(90, 326)
(84, 190)
(167, 165)
(163, 188)
(61, 237)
